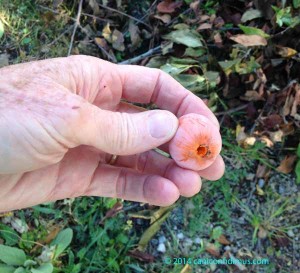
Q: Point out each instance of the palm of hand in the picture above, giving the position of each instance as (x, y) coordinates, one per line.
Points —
(53, 105)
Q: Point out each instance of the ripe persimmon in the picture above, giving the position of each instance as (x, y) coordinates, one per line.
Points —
(196, 144)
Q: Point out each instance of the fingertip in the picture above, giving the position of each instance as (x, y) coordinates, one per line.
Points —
(188, 182)
(160, 191)
(215, 171)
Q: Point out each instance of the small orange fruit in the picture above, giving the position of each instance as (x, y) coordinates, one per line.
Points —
(196, 144)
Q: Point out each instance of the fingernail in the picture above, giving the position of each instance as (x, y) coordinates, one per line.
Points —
(162, 124)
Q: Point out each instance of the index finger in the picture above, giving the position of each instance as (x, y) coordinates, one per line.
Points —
(145, 85)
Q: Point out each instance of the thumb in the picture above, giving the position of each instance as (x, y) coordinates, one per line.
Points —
(127, 133)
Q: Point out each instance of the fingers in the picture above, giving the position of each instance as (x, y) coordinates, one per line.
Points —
(127, 184)
(214, 171)
(144, 85)
(125, 133)
(188, 182)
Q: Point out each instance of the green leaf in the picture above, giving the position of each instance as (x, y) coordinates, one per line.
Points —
(186, 37)
(20, 270)
(194, 83)
(156, 62)
(62, 241)
(298, 150)
(12, 255)
(44, 268)
(7, 268)
(1, 29)
(9, 235)
(195, 52)
(253, 31)
(217, 232)
(175, 69)
(297, 170)
(296, 3)
(251, 14)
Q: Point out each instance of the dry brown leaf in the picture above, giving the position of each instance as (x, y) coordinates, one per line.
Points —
(168, 6)
(134, 34)
(142, 256)
(222, 240)
(252, 95)
(204, 26)
(287, 164)
(94, 6)
(118, 40)
(195, 6)
(269, 143)
(212, 249)
(165, 18)
(112, 212)
(218, 39)
(262, 171)
(249, 40)
(101, 42)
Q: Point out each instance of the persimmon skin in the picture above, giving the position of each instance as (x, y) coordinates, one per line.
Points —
(196, 144)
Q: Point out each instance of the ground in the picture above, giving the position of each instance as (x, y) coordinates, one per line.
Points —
(242, 58)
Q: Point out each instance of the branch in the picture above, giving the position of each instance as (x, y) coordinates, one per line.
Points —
(142, 56)
(77, 23)
(127, 15)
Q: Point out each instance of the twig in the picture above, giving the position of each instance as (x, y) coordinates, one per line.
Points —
(109, 56)
(228, 112)
(77, 23)
(142, 56)
(58, 37)
(96, 17)
(127, 15)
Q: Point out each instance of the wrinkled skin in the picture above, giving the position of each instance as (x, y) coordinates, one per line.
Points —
(62, 119)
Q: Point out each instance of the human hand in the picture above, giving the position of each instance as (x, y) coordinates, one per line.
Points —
(62, 119)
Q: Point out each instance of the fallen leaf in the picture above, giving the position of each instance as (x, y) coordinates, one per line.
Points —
(106, 32)
(262, 171)
(212, 249)
(251, 14)
(118, 40)
(195, 6)
(249, 40)
(165, 18)
(272, 122)
(112, 212)
(222, 240)
(259, 192)
(204, 26)
(262, 233)
(142, 256)
(252, 95)
(287, 164)
(276, 136)
(218, 39)
(286, 52)
(94, 6)
(253, 31)
(186, 37)
(219, 22)
(168, 6)
(102, 43)
(134, 34)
